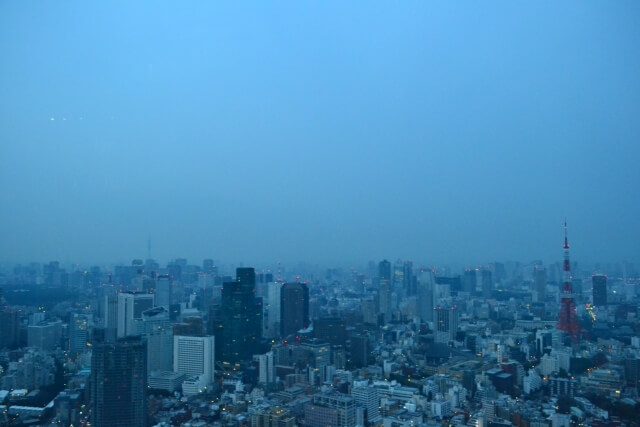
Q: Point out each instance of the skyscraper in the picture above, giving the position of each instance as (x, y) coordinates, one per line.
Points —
(599, 283)
(163, 291)
(119, 383)
(384, 288)
(241, 314)
(426, 282)
(487, 283)
(294, 308)
(540, 282)
(469, 281)
(77, 333)
(408, 278)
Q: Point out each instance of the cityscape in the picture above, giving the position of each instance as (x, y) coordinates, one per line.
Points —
(391, 344)
(319, 213)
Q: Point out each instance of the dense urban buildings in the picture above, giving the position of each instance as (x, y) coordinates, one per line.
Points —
(389, 345)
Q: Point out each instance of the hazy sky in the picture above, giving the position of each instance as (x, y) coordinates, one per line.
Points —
(320, 131)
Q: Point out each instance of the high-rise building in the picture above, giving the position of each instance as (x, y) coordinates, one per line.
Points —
(266, 368)
(9, 328)
(119, 383)
(359, 351)
(409, 283)
(44, 335)
(446, 323)
(163, 291)
(469, 281)
(425, 295)
(384, 289)
(194, 356)
(130, 308)
(540, 283)
(294, 308)
(599, 283)
(155, 326)
(271, 309)
(398, 277)
(77, 333)
(241, 314)
(330, 329)
(110, 315)
(487, 282)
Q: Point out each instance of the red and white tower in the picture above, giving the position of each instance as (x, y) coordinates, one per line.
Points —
(567, 319)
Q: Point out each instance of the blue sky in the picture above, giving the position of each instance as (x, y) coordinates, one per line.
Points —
(329, 132)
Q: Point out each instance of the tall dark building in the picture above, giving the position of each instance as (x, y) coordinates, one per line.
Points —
(359, 351)
(241, 315)
(384, 289)
(599, 282)
(487, 283)
(9, 328)
(409, 283)
(469, 281)
(294, 308)
(119, 383)
(540, 282)
(330, 329)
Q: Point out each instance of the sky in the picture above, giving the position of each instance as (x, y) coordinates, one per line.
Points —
(328, 132)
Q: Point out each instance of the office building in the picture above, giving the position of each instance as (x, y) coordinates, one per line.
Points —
(294, 308)
(369, 398)
(119, 383)
(599, 283)
(271, 310)
(77, 333)
(486, 282)
(384, 289)
(425, 292)
(331, 409)
(266, 368)
(241, 315)
(469, 281)
(330, 329)
(9, 328)
(44, 335)
(446, 319)
(130, 308)
(156, 328)
(194, 356)
(359, 351)
(164, 291)
(540, 283)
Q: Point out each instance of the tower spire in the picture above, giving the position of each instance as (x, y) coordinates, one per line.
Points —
(567, 319)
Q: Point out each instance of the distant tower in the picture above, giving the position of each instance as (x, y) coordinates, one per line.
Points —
(567, 319)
